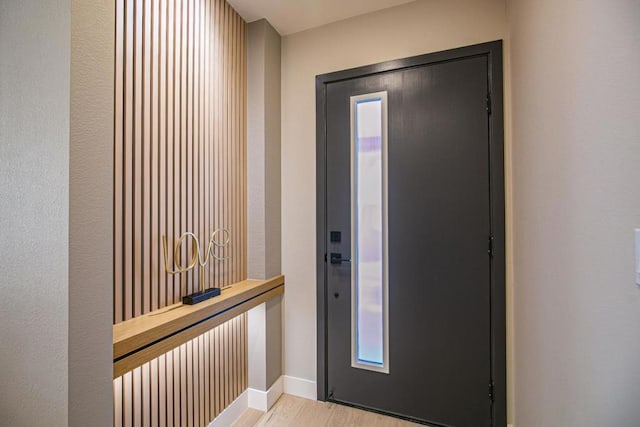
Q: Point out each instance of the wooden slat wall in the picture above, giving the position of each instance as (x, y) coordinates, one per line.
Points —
(188, 386)
(179, 145)
(180, 165)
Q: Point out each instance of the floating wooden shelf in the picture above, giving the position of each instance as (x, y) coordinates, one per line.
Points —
(141, 339)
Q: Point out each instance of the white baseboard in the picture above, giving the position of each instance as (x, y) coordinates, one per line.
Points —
(264, 400)
(300, 387)
(232, 412)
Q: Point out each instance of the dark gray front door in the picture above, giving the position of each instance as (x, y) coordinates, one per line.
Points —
(408, 226)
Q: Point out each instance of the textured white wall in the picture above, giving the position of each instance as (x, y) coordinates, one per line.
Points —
(256, 182)
(263, 194)
(34, 200)
(411, 29)
(91, 213)
(576, 145)
(263, 150)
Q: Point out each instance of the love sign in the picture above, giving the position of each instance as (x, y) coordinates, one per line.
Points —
(219, 239)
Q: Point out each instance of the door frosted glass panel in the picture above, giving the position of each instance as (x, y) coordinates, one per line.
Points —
(369, 232)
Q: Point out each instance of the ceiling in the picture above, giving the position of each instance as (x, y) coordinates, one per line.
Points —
(291, 16)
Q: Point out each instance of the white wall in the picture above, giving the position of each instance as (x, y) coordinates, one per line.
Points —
(412, 29)
(576, 146)
(91, 213)
(56, 145)
(263, 195)
(263, 150)
(34, 199)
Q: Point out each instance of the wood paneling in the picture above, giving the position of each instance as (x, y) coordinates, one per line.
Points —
(189, 385)
(180, 145)
(180, 165)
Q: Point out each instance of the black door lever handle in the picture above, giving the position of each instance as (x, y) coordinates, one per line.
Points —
(336, 258)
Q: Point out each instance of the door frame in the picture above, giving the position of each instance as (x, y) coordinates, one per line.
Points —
(493, 52)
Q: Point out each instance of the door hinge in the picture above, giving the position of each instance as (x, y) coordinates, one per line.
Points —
(490, 246)
(489, 103)
(325, 257)
(491, 399)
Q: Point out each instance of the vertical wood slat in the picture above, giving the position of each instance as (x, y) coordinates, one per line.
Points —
(137, 198)
(162, 392)
(154, 241)
(124, 193)
(182, 121)
(163, 32)
(169, 129)
(127, 397)
(145, 214)
(180, 165)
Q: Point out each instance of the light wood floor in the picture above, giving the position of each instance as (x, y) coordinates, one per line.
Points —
(290, 411)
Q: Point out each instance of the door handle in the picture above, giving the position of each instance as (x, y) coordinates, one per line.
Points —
(336, 258)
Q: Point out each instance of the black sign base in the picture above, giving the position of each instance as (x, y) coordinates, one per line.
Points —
(200, 296)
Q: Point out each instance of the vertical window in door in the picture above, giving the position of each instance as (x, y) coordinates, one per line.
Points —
(369, 249)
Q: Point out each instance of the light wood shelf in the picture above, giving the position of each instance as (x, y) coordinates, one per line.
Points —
(141, 339)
